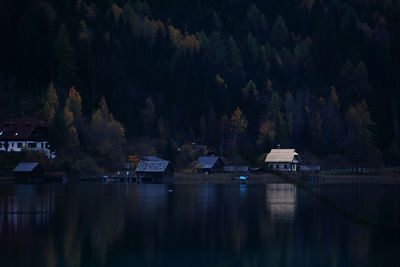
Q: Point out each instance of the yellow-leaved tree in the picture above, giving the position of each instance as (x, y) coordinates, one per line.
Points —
(50, 105)
(73, 118)
(107, 135)
(238, 124)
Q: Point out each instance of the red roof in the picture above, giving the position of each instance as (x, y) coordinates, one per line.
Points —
(23, 129)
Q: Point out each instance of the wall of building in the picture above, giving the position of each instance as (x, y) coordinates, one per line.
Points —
(18, 146)
(283, 166)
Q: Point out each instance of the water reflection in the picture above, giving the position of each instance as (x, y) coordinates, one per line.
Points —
(25, 207)
(195, 225)
(281, 201)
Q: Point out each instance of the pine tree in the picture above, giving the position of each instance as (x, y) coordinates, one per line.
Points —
(275, 116)
(253, 48)
(148, 116)
(361, 147)
(317, 131)
(65, 58)
(212, 129)
(162, 129)
(279, 33)
(235, 72)
(203, 129)
(223, 128)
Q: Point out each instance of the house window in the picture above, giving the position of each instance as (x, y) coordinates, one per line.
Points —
(47, 146)
(19, 145)
(12, 144)
(277, 166)
(32, 145)
(285, 166)
(16, 134)
(42, 145)
(1, 133)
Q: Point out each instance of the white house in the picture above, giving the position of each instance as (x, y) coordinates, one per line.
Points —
(24, 133)
(283, 160)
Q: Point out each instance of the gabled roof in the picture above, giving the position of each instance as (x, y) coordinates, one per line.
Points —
(281, 155)
(21, 129)
(236, 168)
(206, 162)
(152, 166)
(26, 167)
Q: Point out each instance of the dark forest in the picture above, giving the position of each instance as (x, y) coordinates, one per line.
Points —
(117, 78)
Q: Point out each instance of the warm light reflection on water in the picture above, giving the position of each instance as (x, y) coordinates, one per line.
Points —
(281, 201)
(197, 225)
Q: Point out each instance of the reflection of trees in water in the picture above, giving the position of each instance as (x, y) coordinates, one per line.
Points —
(96, 224)
(25, 207)
(96, 220)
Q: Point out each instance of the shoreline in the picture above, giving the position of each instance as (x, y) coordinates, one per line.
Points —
(259, 178)
(267, 178)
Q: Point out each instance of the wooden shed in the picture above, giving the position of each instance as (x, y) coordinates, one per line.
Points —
(155, 171)
(28, 170)
(212, 164)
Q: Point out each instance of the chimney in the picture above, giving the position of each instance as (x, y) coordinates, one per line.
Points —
(278, 146)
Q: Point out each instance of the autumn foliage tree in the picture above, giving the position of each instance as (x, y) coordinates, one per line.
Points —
(238, 125)
(73, 118)
(51, 104)
(106, 135)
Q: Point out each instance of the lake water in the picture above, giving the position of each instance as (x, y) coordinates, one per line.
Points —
(120, 224)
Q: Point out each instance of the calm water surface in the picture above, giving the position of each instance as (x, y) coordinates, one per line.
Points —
(121, 224)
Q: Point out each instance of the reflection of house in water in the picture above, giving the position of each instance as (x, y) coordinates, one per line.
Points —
(25, 207)
(280, 200)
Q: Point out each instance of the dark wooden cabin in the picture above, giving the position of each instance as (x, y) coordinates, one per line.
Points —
(212, 164)
(155, 171)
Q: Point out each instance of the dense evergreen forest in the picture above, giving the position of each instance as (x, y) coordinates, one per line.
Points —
(238, 75)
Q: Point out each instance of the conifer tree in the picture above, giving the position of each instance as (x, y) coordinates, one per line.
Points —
(65, 58)
(148, 116)
(235, 70)
(279, 33)
(253, 48)
(361, 147)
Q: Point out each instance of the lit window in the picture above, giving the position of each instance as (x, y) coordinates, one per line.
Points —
(16, 134)
(127, 173)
